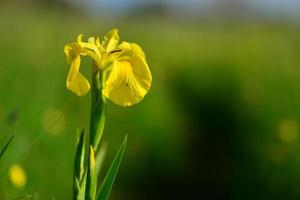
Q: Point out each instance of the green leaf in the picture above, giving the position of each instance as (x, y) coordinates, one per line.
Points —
(79, 166)
(95, 172)
(5, 146)
(105, 189)
(82, 186)
(100, 158)
(93, 177)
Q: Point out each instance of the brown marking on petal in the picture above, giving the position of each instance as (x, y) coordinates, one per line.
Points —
(115, 51)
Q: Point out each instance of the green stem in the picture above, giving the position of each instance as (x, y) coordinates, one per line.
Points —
(97, 122)
(98, 111)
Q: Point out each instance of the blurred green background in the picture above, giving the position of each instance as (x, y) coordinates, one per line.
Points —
(221, 120)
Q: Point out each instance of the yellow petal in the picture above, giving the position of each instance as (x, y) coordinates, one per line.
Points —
(97, 42)
(74, 68)
(124, 46)
(79, 85)
(127, 50)
(72, 51)
(90, 48)
(137, 50)
(91, 40)
(79, 38)
(76, 82)
(111, 40)
(128, 82)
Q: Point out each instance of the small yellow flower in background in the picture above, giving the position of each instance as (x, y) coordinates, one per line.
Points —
(17, 176)
(128, 76)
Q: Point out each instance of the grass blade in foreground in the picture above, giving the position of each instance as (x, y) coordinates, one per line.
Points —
(78, 188)
(5, 146)
(104, 191)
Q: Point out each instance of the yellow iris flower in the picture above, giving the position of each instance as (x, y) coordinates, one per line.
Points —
(128, 76)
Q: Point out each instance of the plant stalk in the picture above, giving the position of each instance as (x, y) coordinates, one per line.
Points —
(97, 123)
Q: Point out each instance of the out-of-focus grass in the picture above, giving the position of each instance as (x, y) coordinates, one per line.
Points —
(223, 112)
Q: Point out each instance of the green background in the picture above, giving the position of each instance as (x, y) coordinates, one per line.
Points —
(221, 119)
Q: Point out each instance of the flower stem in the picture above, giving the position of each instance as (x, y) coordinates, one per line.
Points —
(98, 109)
(97, 122)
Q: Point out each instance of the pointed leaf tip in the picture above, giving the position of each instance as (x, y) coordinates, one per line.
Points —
(109, 179)
(2, 151)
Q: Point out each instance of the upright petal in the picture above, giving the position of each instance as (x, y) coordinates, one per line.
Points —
(111, 40)
(90, 48)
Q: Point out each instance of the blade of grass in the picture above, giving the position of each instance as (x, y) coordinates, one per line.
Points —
(99, 161)
(109, 179)
(79, 166)
(5, 146)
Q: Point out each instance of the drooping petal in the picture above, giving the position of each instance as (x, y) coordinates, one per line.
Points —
(124, 46)
(74, 69)
(127, 50)
(79, 85)
(137, 50)
(72, 51)
(76, 82)
(111, 40)
(128, 82)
